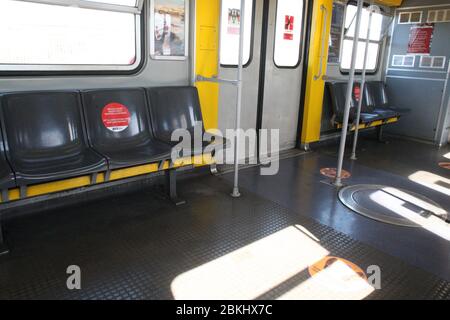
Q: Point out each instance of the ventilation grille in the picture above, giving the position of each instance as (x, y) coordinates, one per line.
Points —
(436, 62)
(438, 16)
(410, 17)
(403, 61)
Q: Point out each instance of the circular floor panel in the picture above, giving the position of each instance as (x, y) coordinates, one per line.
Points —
(445, 165)
(389, 205)
(332, 172)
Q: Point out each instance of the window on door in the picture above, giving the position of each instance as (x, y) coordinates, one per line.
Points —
(288, 33)
(375, 39)
(230, 30)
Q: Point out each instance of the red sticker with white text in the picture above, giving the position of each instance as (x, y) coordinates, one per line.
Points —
(288, 28)
(357, 93)
(116, 117)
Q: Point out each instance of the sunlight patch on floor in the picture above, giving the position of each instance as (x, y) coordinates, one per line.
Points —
(432, 181)
(336, 282)
(253, 270)
(392, 200)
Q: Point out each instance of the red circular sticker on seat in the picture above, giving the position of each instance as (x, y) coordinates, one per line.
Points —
(116, 117)
(357, 93)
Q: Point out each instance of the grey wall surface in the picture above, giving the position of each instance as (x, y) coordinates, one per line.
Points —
(419, 90)
(154, 73)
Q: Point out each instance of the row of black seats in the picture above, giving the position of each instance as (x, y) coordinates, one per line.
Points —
(49, 136)
(375, 102)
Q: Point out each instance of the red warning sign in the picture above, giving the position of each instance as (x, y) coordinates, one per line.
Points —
(116, 117)
(289, 28)
(420, 38)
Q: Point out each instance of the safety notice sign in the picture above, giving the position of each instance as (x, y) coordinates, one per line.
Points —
(288, 28)
(420, 38)
(234, 21)
(116, 117)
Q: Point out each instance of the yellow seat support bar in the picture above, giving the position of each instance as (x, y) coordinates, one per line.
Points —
(372, 124)
(119, 174)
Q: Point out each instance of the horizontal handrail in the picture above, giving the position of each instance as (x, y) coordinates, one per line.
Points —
(200, 78)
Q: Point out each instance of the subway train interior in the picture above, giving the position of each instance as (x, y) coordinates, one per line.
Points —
(224, 150)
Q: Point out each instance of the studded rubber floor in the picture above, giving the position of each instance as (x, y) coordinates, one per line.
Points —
(135, 246)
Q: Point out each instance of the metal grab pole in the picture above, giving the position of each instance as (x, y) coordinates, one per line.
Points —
(236, 193)
(363, 85)
(338, 180)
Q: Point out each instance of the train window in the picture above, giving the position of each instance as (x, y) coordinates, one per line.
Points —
(229, 32)
(54, 37)
(375, 39)
(337, 19)
(288, 31)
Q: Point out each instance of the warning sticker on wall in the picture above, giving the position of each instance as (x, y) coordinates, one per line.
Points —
(234, 21)
(288, 28)
(116, 117)
(420, 38)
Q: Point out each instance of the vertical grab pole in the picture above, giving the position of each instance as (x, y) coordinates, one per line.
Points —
(338, 180)
(236, 193)
(363, 84)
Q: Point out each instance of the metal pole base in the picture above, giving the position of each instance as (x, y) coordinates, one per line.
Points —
(338, 183)
(3, 248)
(171, 185)
(213, 169)
(236, 193)
(305, 147)
(380, 137)
(353, 157)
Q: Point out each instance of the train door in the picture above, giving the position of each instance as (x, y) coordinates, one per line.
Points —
(283, 70)
(274, 37)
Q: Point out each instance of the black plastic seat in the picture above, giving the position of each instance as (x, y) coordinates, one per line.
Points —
(119, 127)
(7, 179)
(173, 108)
(338, 91)
(377, 99)
(387, 113)
(45, 138)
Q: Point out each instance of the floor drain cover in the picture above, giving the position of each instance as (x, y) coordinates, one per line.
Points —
(389, 205)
